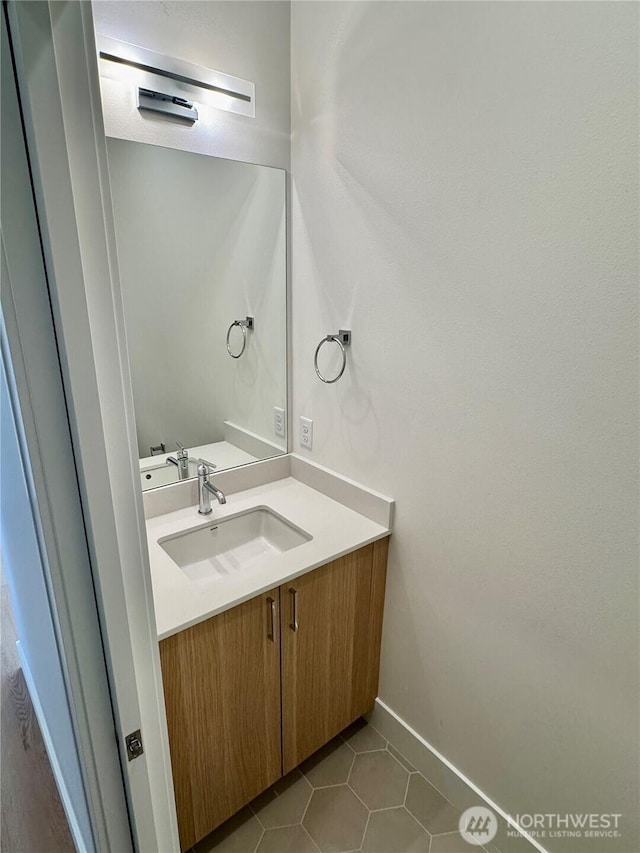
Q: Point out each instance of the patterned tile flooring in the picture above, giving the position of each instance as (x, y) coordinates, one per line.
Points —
(355, 794)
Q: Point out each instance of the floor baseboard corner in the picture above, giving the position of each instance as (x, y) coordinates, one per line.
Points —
(447, 779)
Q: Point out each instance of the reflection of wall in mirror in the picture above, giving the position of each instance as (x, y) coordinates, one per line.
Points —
(201, 242)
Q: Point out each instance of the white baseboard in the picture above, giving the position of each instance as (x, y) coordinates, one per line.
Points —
(67, 804)
(443, 775)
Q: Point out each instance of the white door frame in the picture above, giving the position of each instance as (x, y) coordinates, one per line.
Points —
(42, 520)
(57, 73)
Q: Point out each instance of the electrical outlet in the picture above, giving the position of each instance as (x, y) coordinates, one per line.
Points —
(306, 433)
(279, 421)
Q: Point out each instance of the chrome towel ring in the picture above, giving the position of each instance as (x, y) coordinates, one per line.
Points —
(248, 323)
(343, 339)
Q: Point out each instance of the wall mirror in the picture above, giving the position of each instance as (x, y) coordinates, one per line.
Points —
(202, 253)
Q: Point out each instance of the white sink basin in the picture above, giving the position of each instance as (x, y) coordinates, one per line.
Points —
(232, 544)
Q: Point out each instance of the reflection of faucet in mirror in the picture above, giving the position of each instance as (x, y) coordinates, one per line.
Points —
(206, 489)
(181, 463)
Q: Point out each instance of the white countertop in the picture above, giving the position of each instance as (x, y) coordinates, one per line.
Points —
(335, 530)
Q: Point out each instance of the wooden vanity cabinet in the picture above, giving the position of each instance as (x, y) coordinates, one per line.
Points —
(331, 631)
(222, 695)
(254, 691)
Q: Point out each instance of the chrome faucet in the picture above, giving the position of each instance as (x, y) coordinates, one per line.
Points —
(181, 463)
(206, 489)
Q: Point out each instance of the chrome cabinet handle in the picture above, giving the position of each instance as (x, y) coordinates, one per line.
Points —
(294, 609)
(272, 614)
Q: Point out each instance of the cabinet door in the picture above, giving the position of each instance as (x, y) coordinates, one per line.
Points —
(222, 694)
(331, 630)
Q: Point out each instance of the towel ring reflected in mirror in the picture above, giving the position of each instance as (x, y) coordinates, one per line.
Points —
(247, 323)
(343, 339)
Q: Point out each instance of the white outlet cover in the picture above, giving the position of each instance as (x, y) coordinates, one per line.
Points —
(279, 421)
(306, 432)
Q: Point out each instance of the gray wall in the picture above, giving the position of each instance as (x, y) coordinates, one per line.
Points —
(465, 199)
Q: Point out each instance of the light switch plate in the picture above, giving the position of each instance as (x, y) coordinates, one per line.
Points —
(279, 421)
(306, 432)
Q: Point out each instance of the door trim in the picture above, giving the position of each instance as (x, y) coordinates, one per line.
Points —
(56, 63)
(37, 408)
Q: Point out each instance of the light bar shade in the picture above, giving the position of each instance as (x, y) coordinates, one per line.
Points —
(159, 73)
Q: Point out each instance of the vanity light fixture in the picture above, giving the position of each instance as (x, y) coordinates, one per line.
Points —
(159, 102)
(173, 79)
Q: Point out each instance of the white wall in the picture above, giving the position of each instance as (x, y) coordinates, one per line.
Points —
(201, 242)
(247, 39)
(465, 183)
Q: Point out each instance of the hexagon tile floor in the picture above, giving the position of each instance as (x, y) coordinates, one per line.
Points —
(355, 794)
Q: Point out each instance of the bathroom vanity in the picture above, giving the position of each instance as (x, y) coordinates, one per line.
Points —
(269, 618)
(269, 610)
